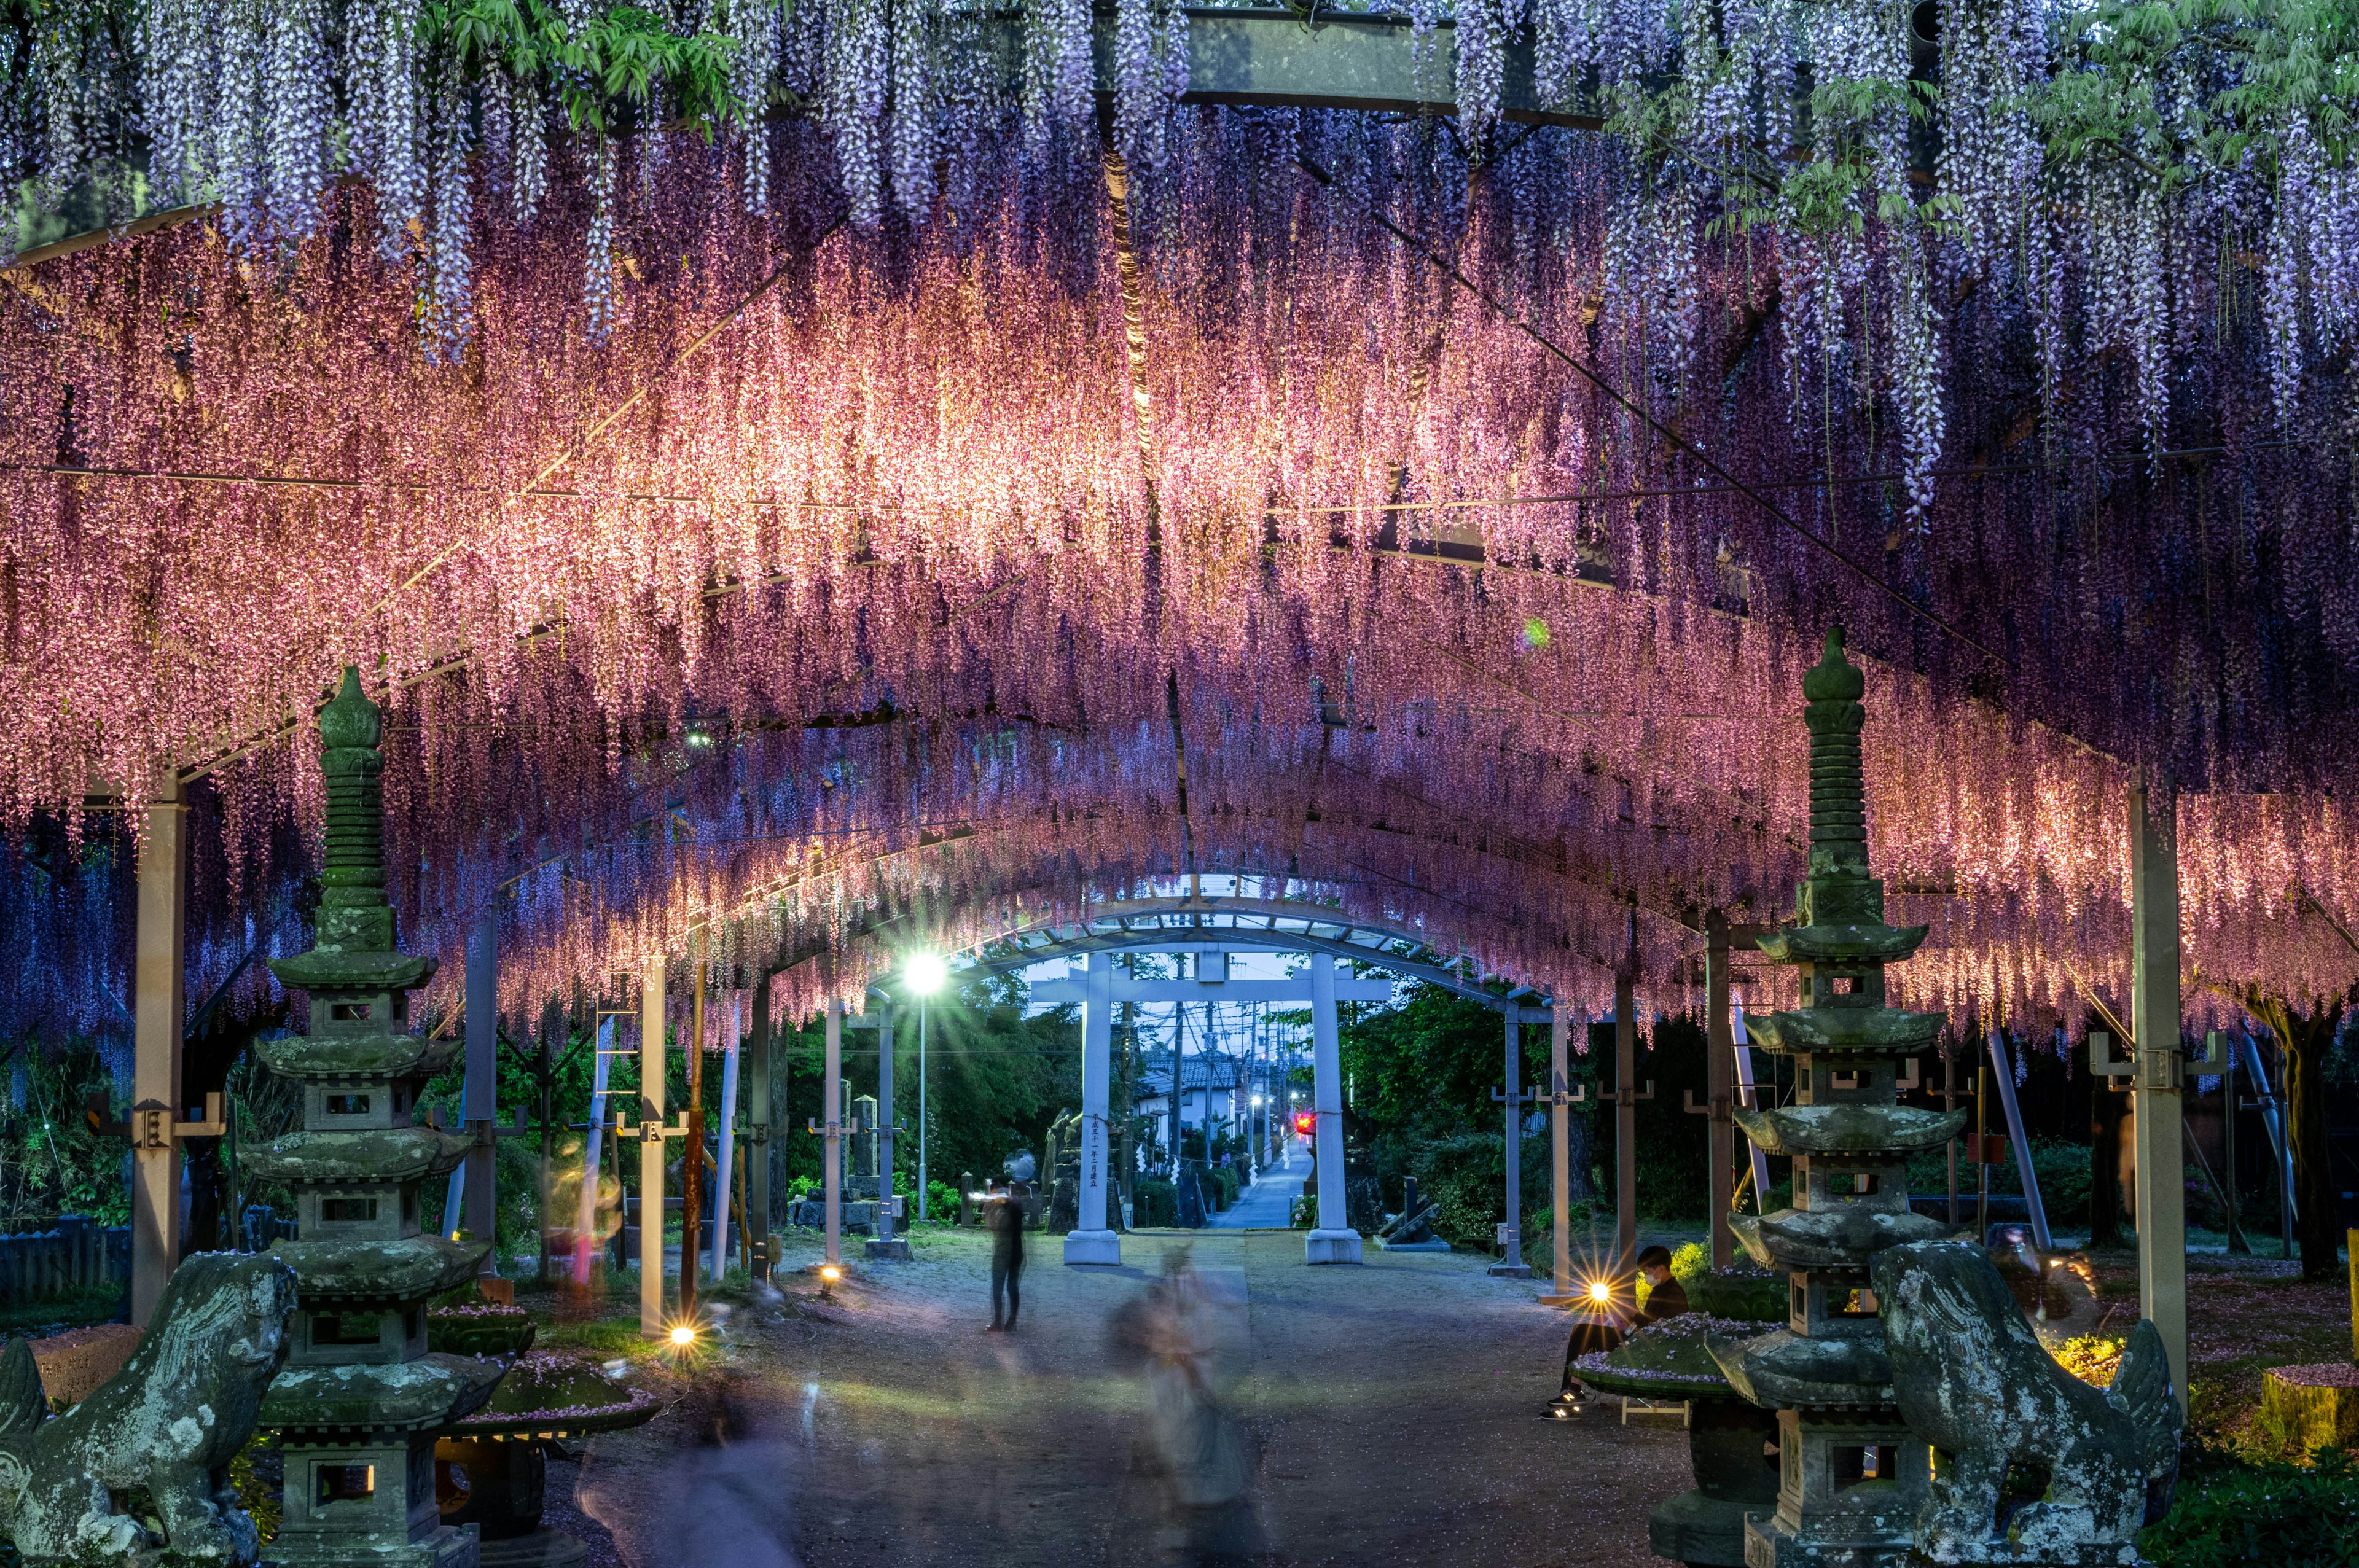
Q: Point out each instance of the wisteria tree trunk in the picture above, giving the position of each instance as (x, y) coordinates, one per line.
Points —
(2104, 1166)
(2306, 1039)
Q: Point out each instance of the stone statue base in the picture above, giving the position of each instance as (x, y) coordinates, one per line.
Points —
(1094, 1247)
(1703, 1532)
(1509, 1271)
(889, 1248)
(541, 1549)
(445, 1546)
(1332, 1247)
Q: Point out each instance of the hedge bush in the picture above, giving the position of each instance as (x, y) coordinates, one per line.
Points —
(1153, 1203)
(2227, 1512)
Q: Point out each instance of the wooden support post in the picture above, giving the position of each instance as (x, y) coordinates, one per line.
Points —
(652, 981)
(691, 1197)
(158, 1005)
(832, 1115)
(2154, 1000)
(757, 1133)
(1949, 1103)
(1625, 1122)
(1560, 1148)
(1512, 1265)
(479, 1108)
(1720, 1083)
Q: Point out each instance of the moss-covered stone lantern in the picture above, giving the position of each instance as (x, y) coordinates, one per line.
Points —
(361, 1397)
(1849, 1476)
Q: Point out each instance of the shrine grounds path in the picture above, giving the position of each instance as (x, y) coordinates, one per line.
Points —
(1396, 1405)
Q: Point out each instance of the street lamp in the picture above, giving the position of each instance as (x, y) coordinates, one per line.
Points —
(925, 974)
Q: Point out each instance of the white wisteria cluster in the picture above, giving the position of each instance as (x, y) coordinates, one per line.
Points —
(2068, 167)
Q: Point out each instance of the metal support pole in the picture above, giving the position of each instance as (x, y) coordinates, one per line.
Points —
(2226, 1049)
(923, 1008)
(2154, 1002)
(726, 1166)
(159, 1015)
(1092, 1240)
(478, 1106)
(1334, 1241)
(757, 1132)
(652, 981)
(585, 1211)
(832, 1115)
(1720, 1074)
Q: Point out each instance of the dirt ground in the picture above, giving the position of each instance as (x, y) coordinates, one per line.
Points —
(1396, 1406)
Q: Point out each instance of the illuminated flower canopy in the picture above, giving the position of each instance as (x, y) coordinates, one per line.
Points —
(726, 519)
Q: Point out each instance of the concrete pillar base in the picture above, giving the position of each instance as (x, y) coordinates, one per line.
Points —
(892, 1247)
(1510, 1271)
(1332, 1247)
(1095, 1246)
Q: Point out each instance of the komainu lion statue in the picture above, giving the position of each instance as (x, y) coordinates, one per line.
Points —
(2085, 1467)
(167, 1425)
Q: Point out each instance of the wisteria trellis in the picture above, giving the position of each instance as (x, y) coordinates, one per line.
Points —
(447, 422)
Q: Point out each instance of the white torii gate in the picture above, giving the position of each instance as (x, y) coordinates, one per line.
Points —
(1099, 990)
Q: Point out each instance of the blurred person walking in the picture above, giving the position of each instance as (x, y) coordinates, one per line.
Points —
(1003, 1216)
(1204, 1459)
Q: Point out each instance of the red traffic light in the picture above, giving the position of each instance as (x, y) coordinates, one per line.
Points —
(1305, 1123)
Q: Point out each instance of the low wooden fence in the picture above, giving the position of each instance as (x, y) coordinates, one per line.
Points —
(44, 1263)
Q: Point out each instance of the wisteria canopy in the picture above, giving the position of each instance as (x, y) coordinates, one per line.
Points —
(818, 476)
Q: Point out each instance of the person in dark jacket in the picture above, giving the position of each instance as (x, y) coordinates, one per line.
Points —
(1666, 1297)
(1003, 1216)
(1607, 1315)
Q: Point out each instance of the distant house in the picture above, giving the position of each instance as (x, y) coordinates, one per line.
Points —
(1211, 1086)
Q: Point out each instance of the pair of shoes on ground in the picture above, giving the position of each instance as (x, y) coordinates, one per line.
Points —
(1001, 1328)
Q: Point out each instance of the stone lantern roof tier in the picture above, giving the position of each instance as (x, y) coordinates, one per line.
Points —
(1875, 1031)
(1828, 1238)
(1791, 1371)
(431, 1391)
(395, 1272)
(322, 1058)
(1841, 943)
(362, 1155)
(1848, 1128)
(329, 970)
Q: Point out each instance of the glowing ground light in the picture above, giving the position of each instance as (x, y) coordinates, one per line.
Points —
(1599, 1292)
(683, 1337)
(830, 1273)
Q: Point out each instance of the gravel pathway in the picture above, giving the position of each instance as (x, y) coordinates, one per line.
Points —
(1395, 1407)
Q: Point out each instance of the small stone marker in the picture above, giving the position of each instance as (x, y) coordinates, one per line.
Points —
(73, 1364)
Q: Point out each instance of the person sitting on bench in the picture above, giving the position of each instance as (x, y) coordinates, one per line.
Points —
(1602, 1321)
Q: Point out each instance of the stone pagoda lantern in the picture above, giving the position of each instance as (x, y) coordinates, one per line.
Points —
(1849, 1476)
(361, 1398)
